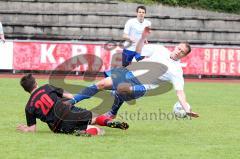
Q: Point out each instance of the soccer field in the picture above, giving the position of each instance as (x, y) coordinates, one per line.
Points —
(215, 134)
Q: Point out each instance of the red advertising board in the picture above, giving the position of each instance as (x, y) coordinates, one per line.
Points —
(213, 61)
(51, 56)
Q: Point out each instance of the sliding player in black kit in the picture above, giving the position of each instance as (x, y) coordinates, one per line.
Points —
(46, 104)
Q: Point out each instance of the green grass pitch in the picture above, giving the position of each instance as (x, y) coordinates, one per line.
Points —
(215, 134)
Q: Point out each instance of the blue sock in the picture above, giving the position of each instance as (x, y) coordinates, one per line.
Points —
(116, 105)
(138, 91)
(84, 94)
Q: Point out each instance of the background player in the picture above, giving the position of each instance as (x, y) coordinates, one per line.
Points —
(132, 33)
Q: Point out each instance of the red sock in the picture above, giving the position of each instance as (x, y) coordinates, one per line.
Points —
(92, 131)
(102, 120)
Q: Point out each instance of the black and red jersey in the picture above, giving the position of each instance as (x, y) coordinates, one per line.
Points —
(41, 103)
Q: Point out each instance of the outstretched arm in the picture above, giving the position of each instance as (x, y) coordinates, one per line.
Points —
(182, 99)
(31, 123)
(140, 43)
(67, 95)
(25, 128)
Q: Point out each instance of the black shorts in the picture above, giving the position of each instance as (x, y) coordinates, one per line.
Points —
(70, 118)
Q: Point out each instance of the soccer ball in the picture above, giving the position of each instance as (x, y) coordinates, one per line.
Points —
(179, 111)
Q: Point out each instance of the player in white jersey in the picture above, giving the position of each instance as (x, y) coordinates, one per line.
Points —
(174, 74)
(132, 33)
(127, 86)
(1, 33)
(160, 54)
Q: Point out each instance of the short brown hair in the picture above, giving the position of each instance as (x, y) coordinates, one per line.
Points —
(28, 82)
(188, 47)
(141, 7)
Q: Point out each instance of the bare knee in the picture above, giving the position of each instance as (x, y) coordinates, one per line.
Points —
(124, 88)
(105, 83)
(100, 84)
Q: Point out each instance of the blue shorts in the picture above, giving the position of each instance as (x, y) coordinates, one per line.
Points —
(123, 75)
(127, 57)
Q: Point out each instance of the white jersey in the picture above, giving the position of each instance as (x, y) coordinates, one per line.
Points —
(160, 54)
(1, 29)
(133, 28)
